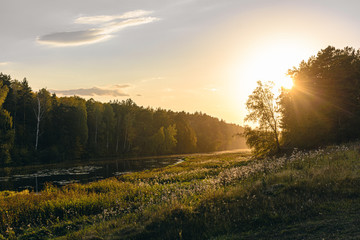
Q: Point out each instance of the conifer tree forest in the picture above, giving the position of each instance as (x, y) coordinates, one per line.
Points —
(40, 127)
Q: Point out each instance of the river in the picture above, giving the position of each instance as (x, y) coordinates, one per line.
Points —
(35, 177)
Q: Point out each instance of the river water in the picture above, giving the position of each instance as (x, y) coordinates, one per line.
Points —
(35, 177)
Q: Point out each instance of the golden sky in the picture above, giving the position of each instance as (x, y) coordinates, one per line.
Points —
(188, 55)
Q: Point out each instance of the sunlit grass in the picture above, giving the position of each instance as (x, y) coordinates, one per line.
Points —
(205, 196)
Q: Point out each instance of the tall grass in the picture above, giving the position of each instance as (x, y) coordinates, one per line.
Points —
(203, 197)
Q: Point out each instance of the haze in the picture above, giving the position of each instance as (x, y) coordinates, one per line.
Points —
(191, 55)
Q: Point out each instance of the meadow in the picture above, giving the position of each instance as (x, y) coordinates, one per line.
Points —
(304, 195)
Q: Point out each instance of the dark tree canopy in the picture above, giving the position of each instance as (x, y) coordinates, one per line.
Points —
(324, 105)
(6, 132)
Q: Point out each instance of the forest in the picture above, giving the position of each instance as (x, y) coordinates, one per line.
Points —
(322, 108)
(40, 127)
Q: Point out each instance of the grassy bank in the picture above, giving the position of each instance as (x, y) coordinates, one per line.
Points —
(219, 196)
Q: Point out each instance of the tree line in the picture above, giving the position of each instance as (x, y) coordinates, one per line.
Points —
(41, 127)
(322, 108)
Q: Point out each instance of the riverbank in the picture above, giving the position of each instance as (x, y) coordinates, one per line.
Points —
(218, 196)
(35, 177)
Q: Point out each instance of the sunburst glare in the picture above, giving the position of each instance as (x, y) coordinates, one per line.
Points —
(270, 61)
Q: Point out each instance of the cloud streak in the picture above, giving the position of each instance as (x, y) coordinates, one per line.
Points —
(107, 18)
(114, 91)
(64, 39)
(105, 27)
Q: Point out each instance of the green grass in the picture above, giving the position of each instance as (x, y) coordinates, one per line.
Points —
(308, 195)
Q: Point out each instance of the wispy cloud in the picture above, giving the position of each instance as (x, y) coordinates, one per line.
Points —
(64, 39)
(4, 63)
(107, 18)
(112, 91)
(105, 27)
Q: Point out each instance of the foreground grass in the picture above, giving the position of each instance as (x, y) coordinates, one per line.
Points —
(229, 196)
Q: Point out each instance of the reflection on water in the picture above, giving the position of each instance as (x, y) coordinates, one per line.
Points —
(81, 170)
(34, 178)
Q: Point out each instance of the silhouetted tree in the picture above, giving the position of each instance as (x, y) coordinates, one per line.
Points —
(262, 109)
(324, 105)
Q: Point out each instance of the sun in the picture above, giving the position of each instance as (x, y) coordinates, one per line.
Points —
(272, 64)
(269, 61)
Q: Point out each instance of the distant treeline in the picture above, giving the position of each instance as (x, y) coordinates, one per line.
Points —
(41, 127)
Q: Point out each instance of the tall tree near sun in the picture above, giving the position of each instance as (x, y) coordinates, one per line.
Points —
(323, 107)
(262, 107)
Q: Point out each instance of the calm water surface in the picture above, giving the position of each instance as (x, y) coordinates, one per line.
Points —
(34, 178)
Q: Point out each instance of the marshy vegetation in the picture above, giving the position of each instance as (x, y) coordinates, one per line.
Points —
(223, 196)
(34, 178)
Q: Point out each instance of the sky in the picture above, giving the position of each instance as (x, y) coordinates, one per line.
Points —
(183, 55)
